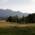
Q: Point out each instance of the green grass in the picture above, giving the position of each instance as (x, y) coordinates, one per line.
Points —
(18, 30)
(33, 29)
(15, 31)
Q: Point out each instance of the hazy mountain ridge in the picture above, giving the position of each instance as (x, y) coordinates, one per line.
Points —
(8, 12)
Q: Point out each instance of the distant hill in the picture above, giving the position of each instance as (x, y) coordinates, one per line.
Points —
(8, 12)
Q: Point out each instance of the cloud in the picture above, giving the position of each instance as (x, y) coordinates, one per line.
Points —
(21, 5)
(33, 6)
(3, 1)
(15, 1)
(33, 0)
(19, 2)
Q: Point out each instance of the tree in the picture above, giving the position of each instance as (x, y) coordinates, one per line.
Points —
(33, 17)
(9, 19)
(16, 18)
(28, 19)
(23, 19)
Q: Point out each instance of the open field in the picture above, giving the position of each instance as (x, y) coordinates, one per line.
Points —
(14, 29)
(8, 24)
(4, 23)
(7, 28)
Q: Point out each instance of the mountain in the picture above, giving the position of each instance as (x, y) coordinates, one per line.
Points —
(8, 12)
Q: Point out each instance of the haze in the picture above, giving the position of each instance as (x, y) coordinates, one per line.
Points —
(25, 6)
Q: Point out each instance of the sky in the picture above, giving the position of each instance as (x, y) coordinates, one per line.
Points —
(24, 6)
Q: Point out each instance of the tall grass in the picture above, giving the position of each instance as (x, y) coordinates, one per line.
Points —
(16, 31)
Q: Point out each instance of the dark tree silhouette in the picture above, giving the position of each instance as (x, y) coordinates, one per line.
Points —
(9, 19)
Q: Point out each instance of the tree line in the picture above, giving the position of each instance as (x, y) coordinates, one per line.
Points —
(28, 19)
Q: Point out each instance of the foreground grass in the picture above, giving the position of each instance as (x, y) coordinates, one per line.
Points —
(15, 31)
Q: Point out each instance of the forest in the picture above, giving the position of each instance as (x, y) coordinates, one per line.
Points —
(28, 19)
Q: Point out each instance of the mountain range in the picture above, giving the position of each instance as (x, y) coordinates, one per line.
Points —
(8, 12)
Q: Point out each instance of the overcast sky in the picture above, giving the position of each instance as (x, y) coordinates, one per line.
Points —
(25, 6)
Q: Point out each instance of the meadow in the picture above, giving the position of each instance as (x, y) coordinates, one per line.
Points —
(7, 28)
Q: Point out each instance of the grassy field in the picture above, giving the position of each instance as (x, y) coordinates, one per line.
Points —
(7, 28)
